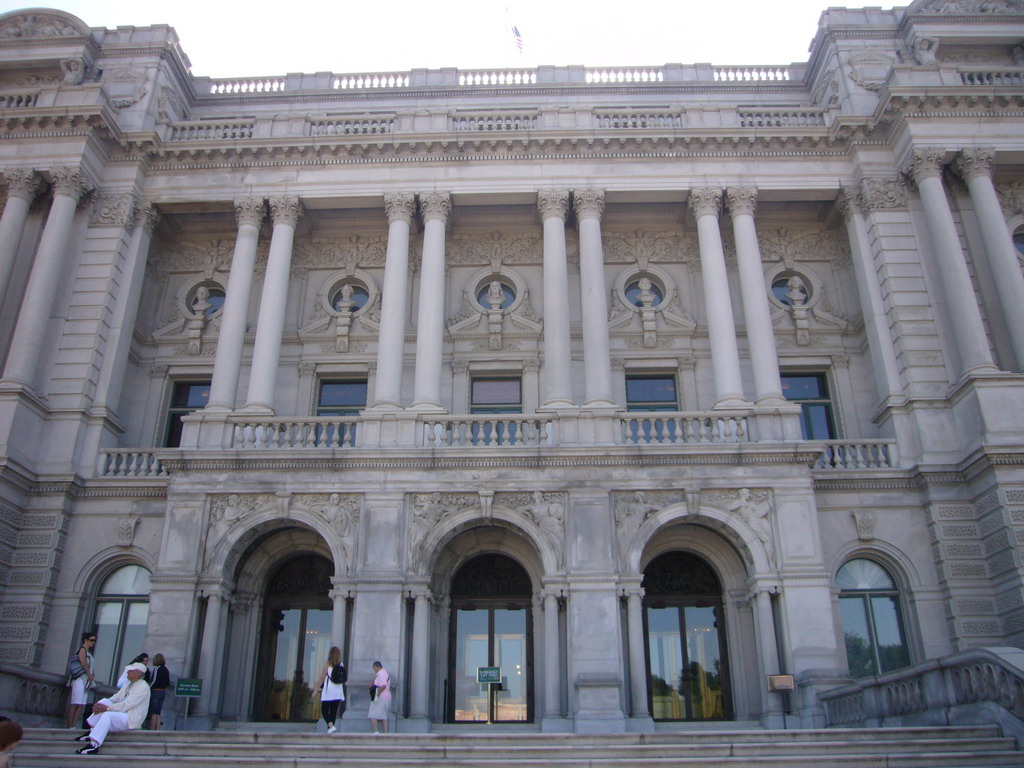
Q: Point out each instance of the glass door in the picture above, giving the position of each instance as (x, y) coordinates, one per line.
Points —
(490, 637)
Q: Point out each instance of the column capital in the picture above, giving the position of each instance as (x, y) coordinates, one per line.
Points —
(436, 206)
(705, 201)
(285, 210)
(588, 203)
(148, 215)
(849, 202)
(250, 210)
(924, 163)
(971, 163)
(23, 183)
(553, 203)
(70, 182)
(882, 194)
(400, 207)
(742, 200)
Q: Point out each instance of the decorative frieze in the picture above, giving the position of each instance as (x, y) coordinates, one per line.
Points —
(115, 211)
(883, 194)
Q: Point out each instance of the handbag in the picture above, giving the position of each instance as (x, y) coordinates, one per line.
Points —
(373, 691)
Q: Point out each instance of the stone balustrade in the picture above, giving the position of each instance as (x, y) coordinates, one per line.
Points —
(506, 430)
(212, 130)
(684, 428)
(638, 118)
(935, 692)
(14, 100)
(782, 118)
(493, 121)
(626, 75)
(987, 78)
(314, 432)
(354, 125)
(858, 454)
(128, 462)
(752, 74)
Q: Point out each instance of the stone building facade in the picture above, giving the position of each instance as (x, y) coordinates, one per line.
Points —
(639, 384)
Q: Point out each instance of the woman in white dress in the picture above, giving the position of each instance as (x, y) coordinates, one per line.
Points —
(381, 703)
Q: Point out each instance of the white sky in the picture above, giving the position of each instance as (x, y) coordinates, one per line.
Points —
(232, 39)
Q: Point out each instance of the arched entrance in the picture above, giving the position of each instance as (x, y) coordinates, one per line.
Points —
(295, 637)
(684, 627)
(491, 626)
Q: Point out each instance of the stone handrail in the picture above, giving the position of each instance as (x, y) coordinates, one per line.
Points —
(782, 118)
(313, 432)
(18, 99)
(247, 85)
(931, 692)
(491, 431)
(679, 428)
(1014, 77)
(128, 462)
(858, 454)
(212, 130)
(498, 77)
(352, 125)
(626, 75)
(371, 81)
(638, 118)
(493, 121)
(747, 74)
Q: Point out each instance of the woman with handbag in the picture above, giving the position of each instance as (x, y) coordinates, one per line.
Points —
(380, 699)
(81, 678)
(332, 688)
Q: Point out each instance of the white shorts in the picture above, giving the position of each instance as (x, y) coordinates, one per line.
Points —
(79, 693)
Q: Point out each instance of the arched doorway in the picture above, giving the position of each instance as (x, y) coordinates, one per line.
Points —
(295, 637)
(684, 626)
(491, 626)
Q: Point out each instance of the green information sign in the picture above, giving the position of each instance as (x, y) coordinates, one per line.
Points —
(189, 687)
(488, 674)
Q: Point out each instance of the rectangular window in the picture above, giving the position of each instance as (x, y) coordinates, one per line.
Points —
(186, 397)
(341, 397)
(496, 395)
(810, 390)
(651, 393)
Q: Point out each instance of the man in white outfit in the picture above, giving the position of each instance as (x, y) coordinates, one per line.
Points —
(125, 710)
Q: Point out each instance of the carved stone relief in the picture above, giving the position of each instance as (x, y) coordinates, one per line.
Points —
(753, 507)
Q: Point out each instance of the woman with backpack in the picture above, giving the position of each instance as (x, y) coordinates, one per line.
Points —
(332, 688)
(80, 678)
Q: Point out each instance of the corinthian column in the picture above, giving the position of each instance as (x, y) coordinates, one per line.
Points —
(553, 207)
(597, 359)
(754, 292)
(419, 700)
(48, 270)
(925, 168)
(22, 188)
(705, 204)
(975, 166)
(394, 303)
(235, 312)
(430, 321)
(266, 354)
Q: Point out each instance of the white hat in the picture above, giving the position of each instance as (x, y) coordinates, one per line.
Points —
(137, 666)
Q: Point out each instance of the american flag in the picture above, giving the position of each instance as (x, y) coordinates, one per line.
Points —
(518, 38)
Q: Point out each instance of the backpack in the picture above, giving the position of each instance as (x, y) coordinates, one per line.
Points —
(338, 674)
(75, 668)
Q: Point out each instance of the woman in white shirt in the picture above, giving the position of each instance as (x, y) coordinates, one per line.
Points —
(332, 694)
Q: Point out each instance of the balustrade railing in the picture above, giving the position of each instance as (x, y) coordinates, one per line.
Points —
(247, 85)
(683, 428)
(858, 454)
(1014, 77)
(314, 432)
(750, 74)
(374, 81)
(352, 126)
(125, 462)
(782, 118)
(499, 121)
(506, 430)
(980, 676)
(15, 100)
(625, 75)
(212, 130)
(638, 118)
(499, 77)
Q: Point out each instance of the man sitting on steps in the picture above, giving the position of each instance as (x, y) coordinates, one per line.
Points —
(125, 710)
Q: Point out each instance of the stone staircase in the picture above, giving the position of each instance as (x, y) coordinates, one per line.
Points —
(950, 747)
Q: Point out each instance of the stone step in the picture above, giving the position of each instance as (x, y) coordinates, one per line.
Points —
(972, 747)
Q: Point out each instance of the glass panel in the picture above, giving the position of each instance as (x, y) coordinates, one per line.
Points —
(892, 651)
(496, 392)
(286, 654)
(797, 387)
(190, 394)
(130, 580)
(702, 682)
(471, 651)
(666, 663)
(864, 574)
(859, 653)
(651, 393)
(817, 422)
(317, 646)
(1018, 241)
(108, 623)
(134, 634)
(342, 396)
(510, 655)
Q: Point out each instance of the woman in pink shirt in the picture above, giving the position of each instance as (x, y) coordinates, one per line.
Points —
(381, 702)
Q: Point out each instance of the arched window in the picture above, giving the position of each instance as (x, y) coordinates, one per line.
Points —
(869, 603)
(122, 608)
